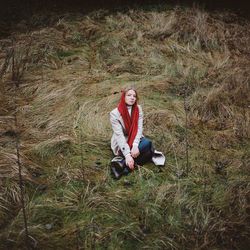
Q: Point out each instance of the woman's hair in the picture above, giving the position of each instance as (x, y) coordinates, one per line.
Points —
(125, 90)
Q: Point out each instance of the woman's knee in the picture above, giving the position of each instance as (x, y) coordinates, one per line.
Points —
(145, 145)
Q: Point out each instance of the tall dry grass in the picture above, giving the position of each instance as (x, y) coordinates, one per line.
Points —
(72, 80)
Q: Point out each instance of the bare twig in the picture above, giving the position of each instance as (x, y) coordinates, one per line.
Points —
(21, 181)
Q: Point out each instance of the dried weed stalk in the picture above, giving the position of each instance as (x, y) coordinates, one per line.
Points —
(21, 184)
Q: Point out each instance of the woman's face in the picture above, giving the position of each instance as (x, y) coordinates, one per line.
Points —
(130, 97)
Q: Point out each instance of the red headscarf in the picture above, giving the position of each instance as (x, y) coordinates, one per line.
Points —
(131, 123)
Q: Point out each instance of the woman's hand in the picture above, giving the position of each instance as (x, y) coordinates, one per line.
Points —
(130, 161)
(135, 151)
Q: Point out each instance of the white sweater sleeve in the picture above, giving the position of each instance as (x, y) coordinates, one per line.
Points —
(119, 134)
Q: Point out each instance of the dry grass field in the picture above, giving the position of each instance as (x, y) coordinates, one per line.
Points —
(60, 80)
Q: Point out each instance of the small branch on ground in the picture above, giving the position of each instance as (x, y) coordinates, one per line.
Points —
(21, 184)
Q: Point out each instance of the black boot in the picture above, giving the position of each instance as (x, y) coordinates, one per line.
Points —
(117, 167)
(116, 173)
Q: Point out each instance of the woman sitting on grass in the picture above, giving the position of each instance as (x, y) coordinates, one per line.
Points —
(128, 144)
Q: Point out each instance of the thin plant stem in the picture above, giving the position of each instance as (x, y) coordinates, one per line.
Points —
(21, 182)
